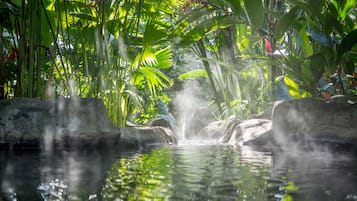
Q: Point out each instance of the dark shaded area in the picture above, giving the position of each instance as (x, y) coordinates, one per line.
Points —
(83, 172)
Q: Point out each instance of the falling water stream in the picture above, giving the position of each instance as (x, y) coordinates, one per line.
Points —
(188, 171)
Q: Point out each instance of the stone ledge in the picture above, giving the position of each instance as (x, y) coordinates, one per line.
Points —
(34, 124)
(329, 119)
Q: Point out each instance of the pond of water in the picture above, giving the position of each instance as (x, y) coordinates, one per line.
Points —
(182, 172)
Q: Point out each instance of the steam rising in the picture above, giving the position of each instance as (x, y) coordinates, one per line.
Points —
(186, 102)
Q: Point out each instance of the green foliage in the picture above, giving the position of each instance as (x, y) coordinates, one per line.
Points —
(293, 88)
(115, 50)
(255, 11)
(320, 32)
(348, 42)
(305, 43)
(140, 178)
(162, 174)
(194, 74)
(122, 51)
(286, 22)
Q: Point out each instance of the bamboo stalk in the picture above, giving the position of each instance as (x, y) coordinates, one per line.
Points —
(206, 65)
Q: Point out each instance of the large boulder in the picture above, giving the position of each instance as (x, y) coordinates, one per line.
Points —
(246, 132)
(333, 120)
(160, 122)
(33, 123)
(239, 132)
(215, 130)
(63, 123)
(197, 121)
(146, 136)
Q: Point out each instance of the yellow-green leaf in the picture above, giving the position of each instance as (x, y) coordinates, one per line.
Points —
(198, 73)
(292, 86)
(305, 42)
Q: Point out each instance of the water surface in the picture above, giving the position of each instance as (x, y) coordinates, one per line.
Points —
(183, 172)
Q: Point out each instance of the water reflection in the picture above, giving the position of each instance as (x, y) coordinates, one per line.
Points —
(320, 176)
(55, 176)
(184, 172)
(207, 172)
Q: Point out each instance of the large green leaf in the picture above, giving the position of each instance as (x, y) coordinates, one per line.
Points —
(207, 26)
(343, 7)
(8, 7)
(198, 73)
(285, 22)
(84, 16)
(305, 43)
(316, 6)
(159, 59)
(331, 20)
(164, 58)
(348, 42)
(318, 64)
(255, 11)
(187, 20)
(313, 7)
(155, 79)
(236, 6)
(293, 88)
(48, 22)
(153, 33)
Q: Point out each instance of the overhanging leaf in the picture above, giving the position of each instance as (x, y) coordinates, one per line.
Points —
(155, 79)
(348, 42)
(207, 26)
(194, 74)
(305, 43)
(255, 11)
(349, 4)
(193, 16)
(83, 16)
(164, 58)
(153, 34)
(285, 22)
(236, 6)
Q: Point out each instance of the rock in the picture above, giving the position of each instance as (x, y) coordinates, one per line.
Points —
(197, 122)
(315, 118)
(245, 132)
(215, 130)
(68, 124)
(34, 123)
(145, 135)
(159, 122)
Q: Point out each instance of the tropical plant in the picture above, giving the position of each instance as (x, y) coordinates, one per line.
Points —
(316, 34)
(225, 35)
(114, 50)
(121, 50)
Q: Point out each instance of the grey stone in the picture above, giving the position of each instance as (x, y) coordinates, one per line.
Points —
(214, 130)
(61, 123)
(146, 136)
(197, 121)
(159, 122)
(321, 119)
(66, 123)
(241, 132)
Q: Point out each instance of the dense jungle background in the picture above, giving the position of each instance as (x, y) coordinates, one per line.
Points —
(136, 55)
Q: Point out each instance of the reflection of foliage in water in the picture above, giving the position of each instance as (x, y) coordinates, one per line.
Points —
(189, 173)
(143, 176)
